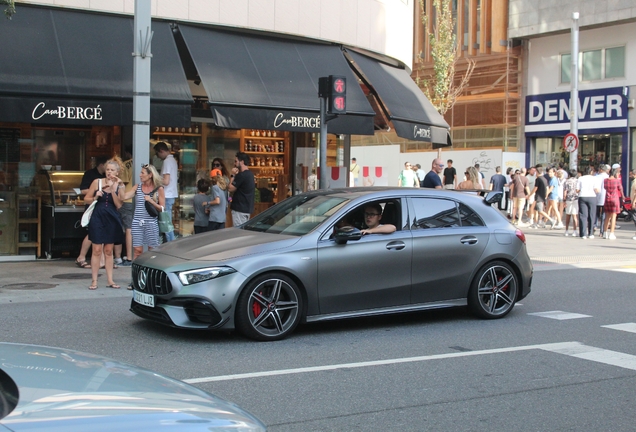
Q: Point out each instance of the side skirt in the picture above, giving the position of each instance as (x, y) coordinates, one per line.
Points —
(389, 310)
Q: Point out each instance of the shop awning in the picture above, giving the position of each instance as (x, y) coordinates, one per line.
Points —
(261, 82)
(61, 66)
(411, 113)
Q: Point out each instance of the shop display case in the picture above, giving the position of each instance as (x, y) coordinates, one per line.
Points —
(62, 208)
(270, 158)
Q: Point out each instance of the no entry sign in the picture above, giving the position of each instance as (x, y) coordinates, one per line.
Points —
(571, 142)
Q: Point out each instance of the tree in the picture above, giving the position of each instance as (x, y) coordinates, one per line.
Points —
(10, 10)
(441, 87)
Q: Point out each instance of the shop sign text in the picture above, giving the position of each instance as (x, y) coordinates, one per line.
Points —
(421, 132)
(597, 110)
(296, 121)
(67, 112)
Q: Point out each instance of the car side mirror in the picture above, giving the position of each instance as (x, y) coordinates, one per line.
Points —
(493, 197)
(344, 234)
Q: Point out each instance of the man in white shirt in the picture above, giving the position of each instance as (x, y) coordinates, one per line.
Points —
(170, 176)
(420, 173)
(603, 173)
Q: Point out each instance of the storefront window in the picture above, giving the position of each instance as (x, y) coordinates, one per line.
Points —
(60, 150)
(593, 150)
(199, 147)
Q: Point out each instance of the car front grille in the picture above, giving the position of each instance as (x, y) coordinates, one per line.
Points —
(157, 281)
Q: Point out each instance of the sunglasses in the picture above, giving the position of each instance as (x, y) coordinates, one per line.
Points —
(144, 165)
(371, 214)
(216, 165)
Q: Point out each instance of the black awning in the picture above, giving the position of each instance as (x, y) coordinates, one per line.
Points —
(261, 82)
(412, 114)
(77, 60)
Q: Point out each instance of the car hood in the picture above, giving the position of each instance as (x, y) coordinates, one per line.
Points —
(225, 244)
(67, 390)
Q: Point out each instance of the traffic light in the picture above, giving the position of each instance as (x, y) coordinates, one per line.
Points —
(334, 89)
(337, 103)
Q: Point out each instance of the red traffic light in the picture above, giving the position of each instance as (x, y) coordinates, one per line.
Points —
(339, 85)
(337, 95)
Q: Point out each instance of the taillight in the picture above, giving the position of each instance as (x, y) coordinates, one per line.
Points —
(520, 235)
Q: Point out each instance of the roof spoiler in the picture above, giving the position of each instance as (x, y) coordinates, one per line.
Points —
(493, 197)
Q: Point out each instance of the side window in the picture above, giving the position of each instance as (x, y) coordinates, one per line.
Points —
(434, 213)
(469, 217)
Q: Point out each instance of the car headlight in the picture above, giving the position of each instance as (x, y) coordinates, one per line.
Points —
(201, 275)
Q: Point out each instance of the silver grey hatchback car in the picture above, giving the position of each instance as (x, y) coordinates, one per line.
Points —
(309, 258)
(46, 389)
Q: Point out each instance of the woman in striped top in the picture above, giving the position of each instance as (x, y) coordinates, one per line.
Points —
(145, 228)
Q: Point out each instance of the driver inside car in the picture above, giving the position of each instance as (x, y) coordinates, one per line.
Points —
(372, 216)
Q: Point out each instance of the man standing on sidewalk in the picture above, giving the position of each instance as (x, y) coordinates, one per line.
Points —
(519, 193)
(432, 180)
(541, 186)
(169, 174)
(450, 175)
(603, 173)
(354, 169)
(497, 183)
(532, 180)
(242, 187)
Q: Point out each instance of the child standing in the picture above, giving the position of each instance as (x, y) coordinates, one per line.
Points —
(218, 204)
(201, 210)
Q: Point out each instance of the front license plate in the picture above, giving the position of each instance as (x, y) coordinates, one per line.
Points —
(144, 299)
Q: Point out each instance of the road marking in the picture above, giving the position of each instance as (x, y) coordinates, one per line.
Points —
(574, 349)
(628, 327)
(559, 315)
(598, 355)
(625, 270)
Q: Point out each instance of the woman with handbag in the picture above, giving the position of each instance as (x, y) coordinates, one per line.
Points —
(149, 198)
(104, 227)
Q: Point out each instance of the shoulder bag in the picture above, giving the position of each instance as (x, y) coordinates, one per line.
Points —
(86, 216)
(151, 209)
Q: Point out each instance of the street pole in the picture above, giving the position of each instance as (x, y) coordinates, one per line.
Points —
(574, 88)
(323, 143)
(141, 85)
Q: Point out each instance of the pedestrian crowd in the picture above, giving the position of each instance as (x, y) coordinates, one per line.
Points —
(130, 214)
(584, 203)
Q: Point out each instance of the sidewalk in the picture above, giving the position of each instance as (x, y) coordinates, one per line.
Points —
(61, 279)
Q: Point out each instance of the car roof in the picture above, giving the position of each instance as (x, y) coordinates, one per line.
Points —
(384, 191)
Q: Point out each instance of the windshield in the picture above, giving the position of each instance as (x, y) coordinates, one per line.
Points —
(297, 215)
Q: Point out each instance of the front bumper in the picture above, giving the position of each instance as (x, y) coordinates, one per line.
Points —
(205, 305)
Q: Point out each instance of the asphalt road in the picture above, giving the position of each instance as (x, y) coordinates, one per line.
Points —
(435, 370)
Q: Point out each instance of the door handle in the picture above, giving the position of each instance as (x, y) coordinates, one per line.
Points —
(395, 245)
(470, 240)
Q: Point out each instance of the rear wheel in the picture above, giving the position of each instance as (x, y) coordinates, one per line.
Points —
(269, 308)
(494, 290)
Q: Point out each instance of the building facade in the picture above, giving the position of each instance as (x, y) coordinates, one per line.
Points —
(227, 76)
(517, 99)
(606, 83)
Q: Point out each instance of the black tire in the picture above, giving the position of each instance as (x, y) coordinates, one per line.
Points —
(494, 291)
(269, 308)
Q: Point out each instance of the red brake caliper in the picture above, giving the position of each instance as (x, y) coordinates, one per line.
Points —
(256, 308)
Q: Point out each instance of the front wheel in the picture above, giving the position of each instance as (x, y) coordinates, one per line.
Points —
(494, 290)
(269, 308)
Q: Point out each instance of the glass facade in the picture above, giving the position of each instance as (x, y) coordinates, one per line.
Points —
(593, 150)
